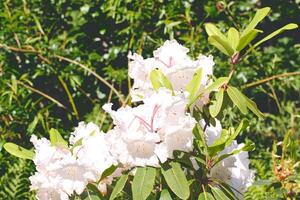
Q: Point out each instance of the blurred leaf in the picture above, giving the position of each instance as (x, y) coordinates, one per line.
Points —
(206, 196)
(216, 105)
(211, 30)
(194, 85)
(165, 195)
(222, 45)
(56, 139)
(247, 38)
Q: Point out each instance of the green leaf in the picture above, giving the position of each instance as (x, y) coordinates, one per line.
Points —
(233, 37)
(253, 107)
(206, 196)
(18, 151)
(216, 84)
(218, 193)
(242, 126)
(247, 38)
(259, 15)
(194, 85)
(165, 195)
(143, 182)
(56, 139)
(273, 34)
(218, 144)
(221, 44)
(176, 180)
(108, 171)
(158, 80)
(216, 106)
(211, 30)
(119, 186)
(237, 98)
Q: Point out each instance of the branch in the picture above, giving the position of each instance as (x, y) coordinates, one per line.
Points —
(262, 81)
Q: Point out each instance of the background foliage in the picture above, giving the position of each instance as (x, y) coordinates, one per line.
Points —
(54, 55)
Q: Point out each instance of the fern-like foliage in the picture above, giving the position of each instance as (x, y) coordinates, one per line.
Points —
(14, 182)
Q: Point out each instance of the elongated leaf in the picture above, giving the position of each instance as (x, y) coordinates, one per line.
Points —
(108, 171)
(216, 84)
(158, 80)
(233, 37)
(119, 186)
(273, 34)
(206, 196)
(259, 15)
(237, 98)
(221, 44)
(253, 107)
(176, 180)
(18, 151)
(247, 38)
(165, 195)
(56, 138)
(211, 30)
(218, 193)
(143, 182)
(216, 106)
(242, 126)
(194, 85)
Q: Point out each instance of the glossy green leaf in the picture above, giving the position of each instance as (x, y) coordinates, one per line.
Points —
(273, 34)
(233, 37)
(253, 107)
(119, 186)
(165, 195)
(259, 15)
(221, 44)
(194, 85)
(18, 151)
(216, 106)
(206, 196)
(218, 193)
(56, 138)
(143, 182)
(176, 180)
(211, 30)
(158, 80)
(237, 98)
(247, 38)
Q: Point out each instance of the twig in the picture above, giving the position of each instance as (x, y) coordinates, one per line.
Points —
(95, 74)
(43, 94)
(270, 78)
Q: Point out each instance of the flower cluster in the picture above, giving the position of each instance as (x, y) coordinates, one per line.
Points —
(144, 135)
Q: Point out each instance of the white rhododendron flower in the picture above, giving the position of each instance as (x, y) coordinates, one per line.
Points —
(57, 169)
(150, 132)
(173, 61)
(83, 130)
(233, 170)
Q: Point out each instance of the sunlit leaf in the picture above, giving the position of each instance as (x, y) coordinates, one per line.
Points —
(233, 37)
(211, 30)
(165, 195)
(143, 183)
(247, 38)
(273, 34)
(18, 151)
(194, 85)
(206, 196)
(221, 44)
(158, 80)
(176, 180)
(253, 107)
(216, 106)
(237, 98)
(259, 15)
(56, 138)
